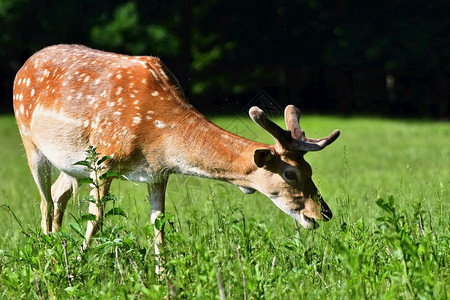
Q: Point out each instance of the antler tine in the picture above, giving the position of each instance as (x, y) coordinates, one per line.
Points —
(301, 142)
(308, 144)
(294, 138)
(292, 118)
(281, 136)
(329, 139)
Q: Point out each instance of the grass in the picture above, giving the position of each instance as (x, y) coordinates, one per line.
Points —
(386, 181)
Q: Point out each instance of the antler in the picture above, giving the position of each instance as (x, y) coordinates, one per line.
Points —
(294, 138)
(281, 136)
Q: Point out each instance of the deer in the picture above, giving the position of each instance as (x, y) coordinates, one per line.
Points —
(69, 97)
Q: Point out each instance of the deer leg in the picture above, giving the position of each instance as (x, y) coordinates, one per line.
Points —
(61, 192)
(156, 197)
(41, 169)
(96, 208)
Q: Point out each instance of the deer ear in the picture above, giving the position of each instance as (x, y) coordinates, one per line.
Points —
(263, 157)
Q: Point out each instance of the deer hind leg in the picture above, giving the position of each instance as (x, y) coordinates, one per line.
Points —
(41, 169)
(156, 196)
(96, 208)
(62, 190)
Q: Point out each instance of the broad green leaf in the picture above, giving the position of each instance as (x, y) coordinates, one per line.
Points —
(159, 222)
(86, 180)
(116, 211)
(108, 174)
(76, 227)
(109, 197)
(103, 159)
(88, 217)
(83, 163)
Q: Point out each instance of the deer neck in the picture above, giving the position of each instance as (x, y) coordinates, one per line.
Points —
(204, 149)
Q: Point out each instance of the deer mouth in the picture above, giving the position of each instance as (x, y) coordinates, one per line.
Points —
(307, 222)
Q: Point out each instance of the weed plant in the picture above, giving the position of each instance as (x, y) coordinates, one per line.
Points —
(388, 239)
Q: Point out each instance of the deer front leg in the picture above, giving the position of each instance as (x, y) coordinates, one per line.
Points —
(96, 208)
(156, 197)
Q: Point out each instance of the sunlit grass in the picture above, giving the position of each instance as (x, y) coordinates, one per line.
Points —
(364, 251)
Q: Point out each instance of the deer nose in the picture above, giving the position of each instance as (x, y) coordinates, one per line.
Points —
(325, 211)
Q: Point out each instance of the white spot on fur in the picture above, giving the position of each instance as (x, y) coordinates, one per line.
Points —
(154, 74)
(24, 130)
(155, 93)
(91, 99)
(119, 90)
(136, 120)
(95, 123)
(32, 92)
(159, 124)
(163, 73)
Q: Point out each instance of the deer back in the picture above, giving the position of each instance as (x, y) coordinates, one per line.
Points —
(67, 97)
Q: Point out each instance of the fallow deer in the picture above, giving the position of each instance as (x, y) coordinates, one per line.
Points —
(70, 97)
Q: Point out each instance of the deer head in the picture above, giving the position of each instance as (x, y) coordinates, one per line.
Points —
(284, 171)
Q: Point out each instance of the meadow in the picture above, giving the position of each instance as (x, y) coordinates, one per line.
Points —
(386, 181)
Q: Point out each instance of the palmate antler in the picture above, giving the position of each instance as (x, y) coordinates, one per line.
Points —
(294, 137)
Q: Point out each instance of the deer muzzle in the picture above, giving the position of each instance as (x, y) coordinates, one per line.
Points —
(314, 210)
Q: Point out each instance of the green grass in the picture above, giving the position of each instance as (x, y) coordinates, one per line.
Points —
(386, 181)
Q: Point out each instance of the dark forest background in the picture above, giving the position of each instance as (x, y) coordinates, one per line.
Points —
(342, 56)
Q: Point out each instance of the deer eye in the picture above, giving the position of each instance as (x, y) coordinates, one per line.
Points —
(290, 175)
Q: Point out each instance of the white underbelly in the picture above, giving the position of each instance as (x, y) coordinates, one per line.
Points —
(59, 138)
(64, 158)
